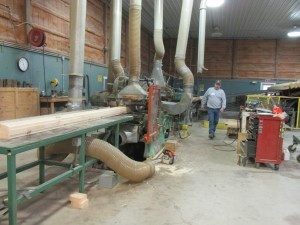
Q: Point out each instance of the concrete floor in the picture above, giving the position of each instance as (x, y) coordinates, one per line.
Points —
(204, 186)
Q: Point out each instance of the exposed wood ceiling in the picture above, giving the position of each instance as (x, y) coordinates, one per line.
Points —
(237, 19)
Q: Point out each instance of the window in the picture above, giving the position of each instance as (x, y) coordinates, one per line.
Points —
(264, 86)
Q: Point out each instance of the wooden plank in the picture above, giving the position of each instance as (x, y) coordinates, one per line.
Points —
(21, 127)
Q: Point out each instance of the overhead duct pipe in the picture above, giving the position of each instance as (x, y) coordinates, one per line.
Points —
(134, 89)
(115, 67)
(201, 36)
(157, 74)
(77, 42)
(188, 78)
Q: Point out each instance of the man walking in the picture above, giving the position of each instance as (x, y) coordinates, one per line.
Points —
(215, 100)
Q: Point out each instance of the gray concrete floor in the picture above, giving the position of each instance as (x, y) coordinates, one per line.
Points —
(204, 186)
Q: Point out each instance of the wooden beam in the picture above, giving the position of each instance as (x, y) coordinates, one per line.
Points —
(21, 127)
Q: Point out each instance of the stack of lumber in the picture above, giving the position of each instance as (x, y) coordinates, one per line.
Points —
(21, 127)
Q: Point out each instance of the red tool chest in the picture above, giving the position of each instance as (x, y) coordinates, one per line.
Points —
(269, 140)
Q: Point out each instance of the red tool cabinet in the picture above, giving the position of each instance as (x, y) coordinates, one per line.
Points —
(269, 140)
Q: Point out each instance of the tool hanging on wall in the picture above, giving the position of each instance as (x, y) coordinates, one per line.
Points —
(36, 37)
(54, 82)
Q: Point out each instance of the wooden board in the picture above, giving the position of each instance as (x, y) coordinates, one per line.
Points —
(241, 137)
(19, 103)
(20, 127)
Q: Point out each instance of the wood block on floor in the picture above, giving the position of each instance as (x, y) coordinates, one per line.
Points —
(80, 205)
(77, 197)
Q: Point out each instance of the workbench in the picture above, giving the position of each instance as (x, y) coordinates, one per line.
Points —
(11, 148)
(56, 100)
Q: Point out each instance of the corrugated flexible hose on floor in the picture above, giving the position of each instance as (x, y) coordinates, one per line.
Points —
(110, 155)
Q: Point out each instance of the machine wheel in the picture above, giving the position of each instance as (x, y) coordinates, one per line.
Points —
(257, 165)
(298, 158)
(292, 148)
(276, 166)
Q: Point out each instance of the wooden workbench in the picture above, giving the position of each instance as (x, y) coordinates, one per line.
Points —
(54, 100)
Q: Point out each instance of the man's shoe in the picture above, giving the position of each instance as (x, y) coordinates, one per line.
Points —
(211, 136)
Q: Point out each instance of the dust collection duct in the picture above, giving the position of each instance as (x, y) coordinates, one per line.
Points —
(188, 78)
(115, 68)
(201, 37)
(134, 90)
(77, 42)
(107, 153)
(101, 150)
(157, 74)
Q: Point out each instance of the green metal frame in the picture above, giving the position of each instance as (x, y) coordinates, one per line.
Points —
(11, 148)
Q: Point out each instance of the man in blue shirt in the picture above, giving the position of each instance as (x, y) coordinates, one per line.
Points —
(215, 100)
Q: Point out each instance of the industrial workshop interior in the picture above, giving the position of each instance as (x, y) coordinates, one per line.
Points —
(154, 112)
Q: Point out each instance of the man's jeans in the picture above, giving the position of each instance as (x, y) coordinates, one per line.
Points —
(213, 118)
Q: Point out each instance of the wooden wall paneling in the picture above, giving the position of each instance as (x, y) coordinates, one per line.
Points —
(218, 58)
(8, 30)
(53, 18)
(95, 38)
(234, 53)
(144, 51)
(255, 58)
(289, 59)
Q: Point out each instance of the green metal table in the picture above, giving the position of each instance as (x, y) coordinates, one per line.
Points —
(12, 147)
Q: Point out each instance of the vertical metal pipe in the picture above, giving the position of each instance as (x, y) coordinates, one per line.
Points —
(180, 66)
(201, 37)
(157, 74)
(28, 16)
(158, 30)
(77, 44)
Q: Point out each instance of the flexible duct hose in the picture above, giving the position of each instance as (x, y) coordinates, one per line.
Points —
(120, 163)
(184, 71)
(110, 155)
(159, 45)
(135, 39)
(117, 68)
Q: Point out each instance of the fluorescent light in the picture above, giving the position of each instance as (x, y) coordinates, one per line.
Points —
(294, 34)
(214, 3)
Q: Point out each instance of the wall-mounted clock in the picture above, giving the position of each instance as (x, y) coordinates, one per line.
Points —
(23, 64)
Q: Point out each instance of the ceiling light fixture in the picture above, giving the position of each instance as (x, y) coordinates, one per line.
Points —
(216, 33)
(294, 33)
(214, 3)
